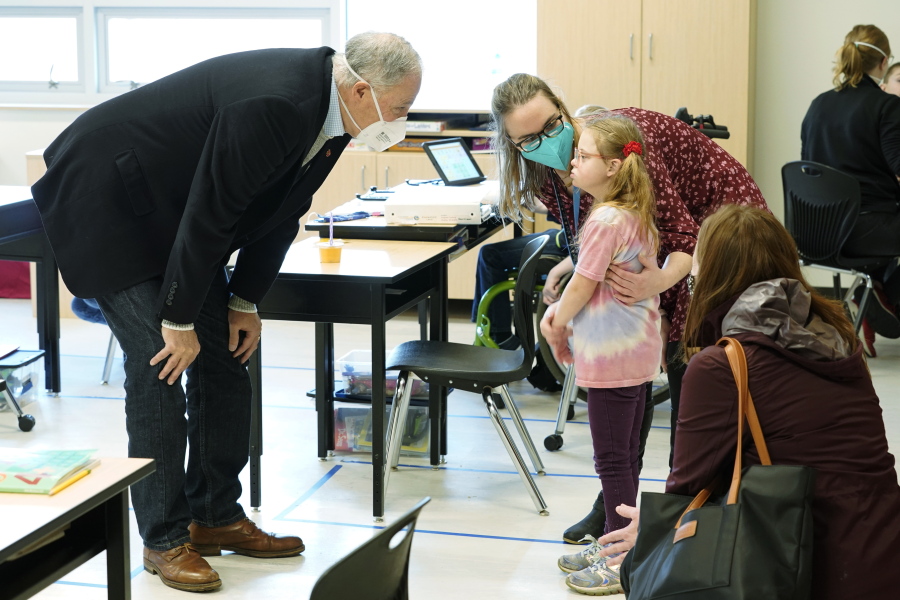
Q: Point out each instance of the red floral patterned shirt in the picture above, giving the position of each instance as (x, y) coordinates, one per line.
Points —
(692, 177)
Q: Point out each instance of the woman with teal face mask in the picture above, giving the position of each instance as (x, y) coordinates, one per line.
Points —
(692, 177)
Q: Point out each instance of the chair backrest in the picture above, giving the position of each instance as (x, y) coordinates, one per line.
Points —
(375, 570)
(523, 311)
(821, 205)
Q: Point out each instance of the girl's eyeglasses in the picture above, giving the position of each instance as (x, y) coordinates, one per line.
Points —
(553, 128)
(580, 156)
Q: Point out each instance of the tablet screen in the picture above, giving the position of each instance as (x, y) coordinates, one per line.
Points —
(453, 162)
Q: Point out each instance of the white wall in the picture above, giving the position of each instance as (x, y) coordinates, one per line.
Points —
(796, 43)
(22, 130)
(795, 48)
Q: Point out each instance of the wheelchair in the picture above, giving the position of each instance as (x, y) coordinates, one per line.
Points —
(564, 375)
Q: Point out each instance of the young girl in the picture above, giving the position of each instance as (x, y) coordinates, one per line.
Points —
(616, 346)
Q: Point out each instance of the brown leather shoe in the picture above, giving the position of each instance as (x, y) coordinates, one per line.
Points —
(243, 537)
(182, 568)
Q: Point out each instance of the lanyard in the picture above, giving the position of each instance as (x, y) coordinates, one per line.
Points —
(567, 229)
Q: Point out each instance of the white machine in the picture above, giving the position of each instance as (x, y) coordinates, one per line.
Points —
(440, 204)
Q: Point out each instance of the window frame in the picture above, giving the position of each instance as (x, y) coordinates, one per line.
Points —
(102, 15)
(38, 95)
(35, 87)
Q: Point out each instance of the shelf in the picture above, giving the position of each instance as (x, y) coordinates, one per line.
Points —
(451, 133)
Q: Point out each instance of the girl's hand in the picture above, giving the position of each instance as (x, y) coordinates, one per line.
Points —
(551, 286)
(556, 334)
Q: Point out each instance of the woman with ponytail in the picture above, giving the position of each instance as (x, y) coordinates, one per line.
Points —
(855, 128)
(616, 346)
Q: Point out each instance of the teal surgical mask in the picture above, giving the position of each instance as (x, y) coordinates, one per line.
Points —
(556, 151)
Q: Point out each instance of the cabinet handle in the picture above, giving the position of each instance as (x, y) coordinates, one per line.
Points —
(387, 171)
(631, 46)
(362, 178)
(650, 37)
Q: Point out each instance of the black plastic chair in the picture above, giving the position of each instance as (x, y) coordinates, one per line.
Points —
(376, 570)
(476, 369)
(821, 205)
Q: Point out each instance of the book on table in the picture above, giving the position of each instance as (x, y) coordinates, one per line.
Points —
(27, 471)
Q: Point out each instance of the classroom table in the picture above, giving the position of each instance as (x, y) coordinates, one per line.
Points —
(375, 281)
(22, 238)
(95, 510)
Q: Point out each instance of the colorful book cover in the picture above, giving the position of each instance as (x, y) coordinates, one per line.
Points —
(43, 471)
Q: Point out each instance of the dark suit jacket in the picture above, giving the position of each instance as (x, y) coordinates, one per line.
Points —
(169, 179)
(857, 131)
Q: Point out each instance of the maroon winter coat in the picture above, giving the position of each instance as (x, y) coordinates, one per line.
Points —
(821, 413)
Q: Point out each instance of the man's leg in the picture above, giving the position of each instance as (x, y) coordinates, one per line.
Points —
(157, 429)
(218, 426)
(218, 429)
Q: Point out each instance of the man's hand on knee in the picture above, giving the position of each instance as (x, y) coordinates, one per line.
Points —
(251, 326)
(181, 348)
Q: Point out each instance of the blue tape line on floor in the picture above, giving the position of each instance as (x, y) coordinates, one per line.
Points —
(310, 491)
(446, 468)
(429, 531)
(78, 583)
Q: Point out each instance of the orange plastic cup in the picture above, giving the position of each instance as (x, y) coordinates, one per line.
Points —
(330, 253)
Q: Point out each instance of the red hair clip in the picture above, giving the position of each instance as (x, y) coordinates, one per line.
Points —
(632, 147)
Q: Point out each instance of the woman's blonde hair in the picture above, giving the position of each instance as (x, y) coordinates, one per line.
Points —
(737, 247)
(520, 179)
(855, 58)
(630, 188)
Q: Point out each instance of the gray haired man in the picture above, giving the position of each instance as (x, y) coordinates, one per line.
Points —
(145, 198)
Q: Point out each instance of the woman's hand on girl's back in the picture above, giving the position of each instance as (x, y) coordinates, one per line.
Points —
(631, 287)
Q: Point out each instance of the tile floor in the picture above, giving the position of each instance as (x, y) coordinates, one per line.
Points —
(479, 537)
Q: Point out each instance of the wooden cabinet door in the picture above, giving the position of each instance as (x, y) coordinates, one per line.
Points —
(353, 174)
(702, 57)
(393, 168)
(590, 51)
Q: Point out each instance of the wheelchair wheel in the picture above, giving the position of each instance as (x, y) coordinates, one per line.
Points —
(558, 370)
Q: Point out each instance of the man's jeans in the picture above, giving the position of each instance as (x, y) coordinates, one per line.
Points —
(217, 403)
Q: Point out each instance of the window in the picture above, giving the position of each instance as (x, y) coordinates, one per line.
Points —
(138, 46)
(52, 50)
(467, 46)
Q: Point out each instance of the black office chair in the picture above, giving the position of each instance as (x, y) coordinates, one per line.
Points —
(377, 570)
(475, 369)
(821, 205)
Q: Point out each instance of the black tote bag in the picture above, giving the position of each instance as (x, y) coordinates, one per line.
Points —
(754, 543)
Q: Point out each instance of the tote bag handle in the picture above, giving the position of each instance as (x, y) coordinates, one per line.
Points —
(738, 361)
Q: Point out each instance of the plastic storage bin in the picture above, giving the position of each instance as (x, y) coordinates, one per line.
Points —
(22, 371)
(356, 372)
(353, 430)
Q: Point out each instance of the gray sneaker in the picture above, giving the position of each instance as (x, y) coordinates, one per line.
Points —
(571, 563)
(596, 580)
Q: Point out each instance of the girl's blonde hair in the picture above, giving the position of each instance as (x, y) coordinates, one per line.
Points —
(855, 59)
(737, 247)
(520, 179)
(630, 189)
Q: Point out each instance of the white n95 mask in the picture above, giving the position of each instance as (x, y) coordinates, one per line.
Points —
(381, 134)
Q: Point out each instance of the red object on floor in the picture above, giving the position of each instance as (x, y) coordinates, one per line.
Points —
(15, 279)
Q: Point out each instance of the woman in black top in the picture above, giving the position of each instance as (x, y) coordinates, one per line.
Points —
(855, 128)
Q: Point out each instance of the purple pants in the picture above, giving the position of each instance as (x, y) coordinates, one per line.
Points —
(615, 415)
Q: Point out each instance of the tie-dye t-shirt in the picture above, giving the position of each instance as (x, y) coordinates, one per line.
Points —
(614, 344)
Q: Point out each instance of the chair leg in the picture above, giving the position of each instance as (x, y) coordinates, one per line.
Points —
(863, 303)
(110, 356)
(567, 398)
(397, 424)
(503, 432)
(523, 431)
(12, 402)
